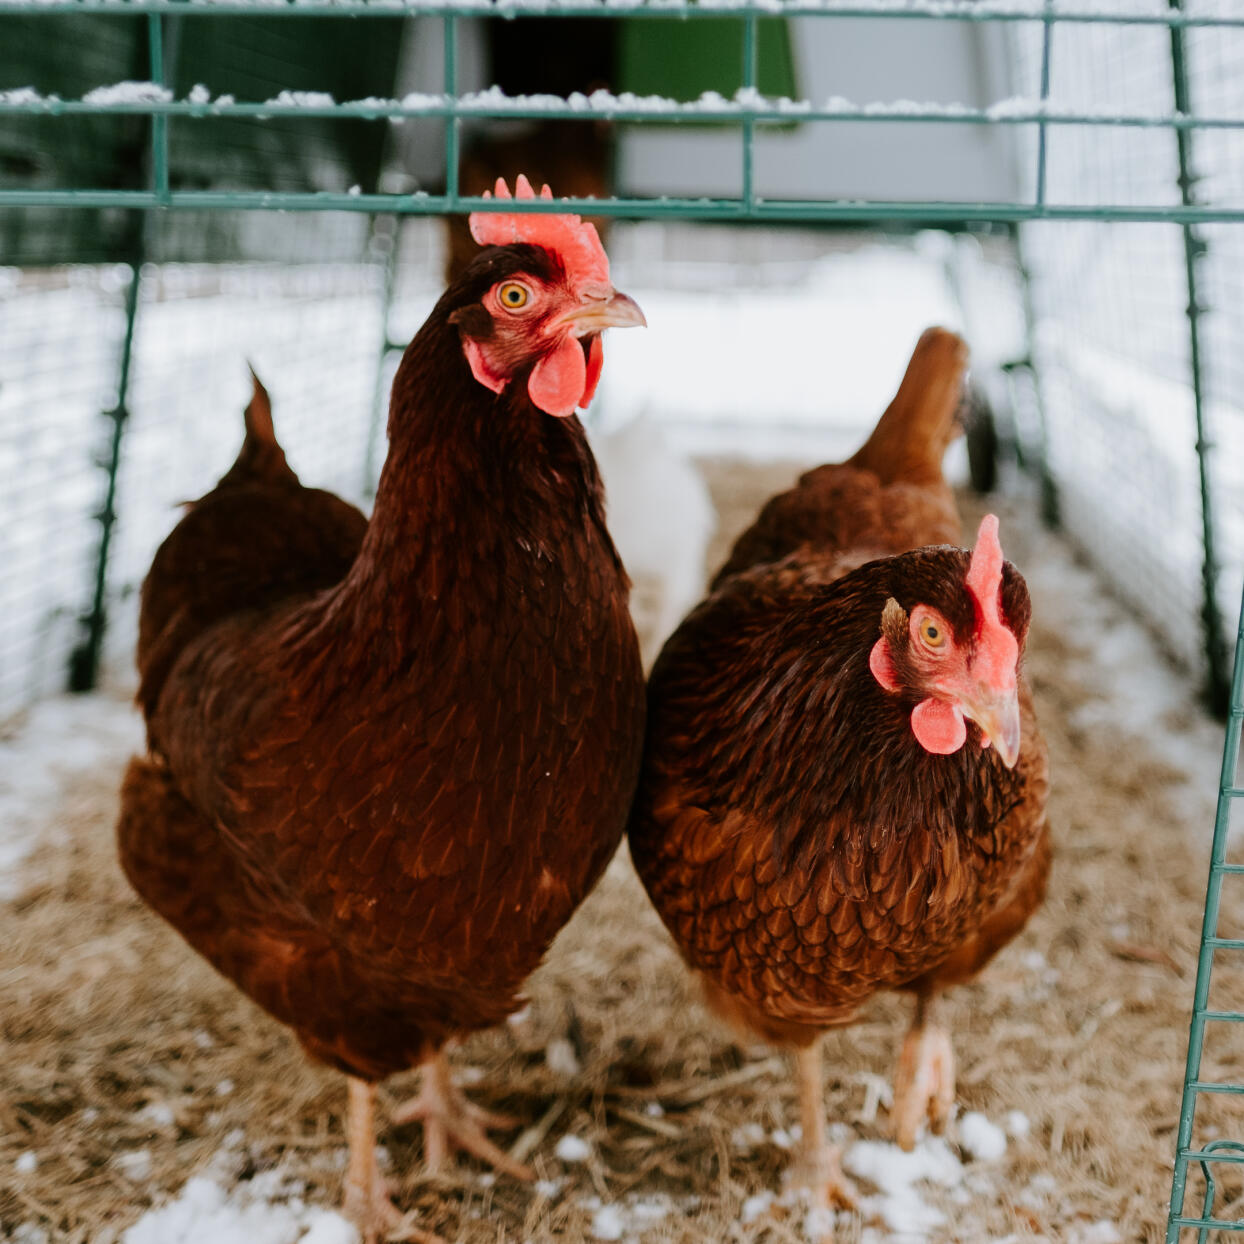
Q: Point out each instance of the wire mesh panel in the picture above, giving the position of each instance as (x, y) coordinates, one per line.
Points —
(61, 331)
(1211, 1197)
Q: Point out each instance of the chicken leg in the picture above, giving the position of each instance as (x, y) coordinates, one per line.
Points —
(367, 1202)
(924, 1083)
(450, 1121)
(818, 1170)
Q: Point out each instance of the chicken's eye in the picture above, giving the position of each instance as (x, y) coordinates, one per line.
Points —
(932, 634)
(513, 295)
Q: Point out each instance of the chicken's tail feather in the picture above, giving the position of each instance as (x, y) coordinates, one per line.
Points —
(910, 439)
(261, 456)
(258, 413)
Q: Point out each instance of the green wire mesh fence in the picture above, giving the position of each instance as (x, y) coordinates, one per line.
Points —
(227, 109)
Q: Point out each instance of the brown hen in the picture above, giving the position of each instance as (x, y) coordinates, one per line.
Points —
(844, 787)
(389, 759)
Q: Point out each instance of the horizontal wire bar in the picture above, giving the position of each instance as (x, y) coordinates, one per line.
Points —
(564, 110)
(943, 10)
(1229, 868)
(1210, 1086)
(1183, 1221)
(1225, 943)
(1209, 1155)
(1225, 1017)
(1233, 792)
(809, 210)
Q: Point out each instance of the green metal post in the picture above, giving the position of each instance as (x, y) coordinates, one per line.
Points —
(1194, 250)
(1051, 513)
(159, 125)
(1218, 868)
(84, 662)
(749, 126)
(450, 33)
(85, 659)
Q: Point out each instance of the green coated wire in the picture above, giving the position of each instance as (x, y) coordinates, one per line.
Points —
(1201, 1014)
(676, 10)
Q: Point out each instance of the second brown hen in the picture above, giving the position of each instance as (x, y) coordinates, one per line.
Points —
(844, 786)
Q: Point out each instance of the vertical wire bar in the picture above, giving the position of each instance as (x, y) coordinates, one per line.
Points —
(159, 124)
(450, 34)
(1209, 928)
(1047, 43)
(390, 242)
(749, 125)
(1194, 250)
(84, 662)
(1050, 511)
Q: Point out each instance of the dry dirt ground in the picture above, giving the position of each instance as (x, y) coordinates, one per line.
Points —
(114, 1038)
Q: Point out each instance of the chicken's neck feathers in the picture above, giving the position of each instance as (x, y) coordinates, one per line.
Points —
(477, 489)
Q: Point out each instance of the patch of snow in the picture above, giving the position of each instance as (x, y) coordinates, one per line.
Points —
(27, 1163)
(896, 1174)
(1017, 1124)
(199, 94)
(519, 1018)
(632, 1215)
(1100, 1232)
(654, 1110)
(24, 95)
(561, 1059)
(302, 99)
(134, 1164)
(981, 1139)
(129, 93)
(59, 740)
(268, 1209)
(158, 1113)
(549, 1189)
(571, 1148)
(757, 1205)
(747, 1136)
(607, 1223)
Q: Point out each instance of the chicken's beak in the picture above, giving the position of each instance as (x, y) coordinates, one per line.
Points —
(997, 714)
(598, 312)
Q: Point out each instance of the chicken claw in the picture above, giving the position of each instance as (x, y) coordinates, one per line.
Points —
(924, 1083)
(818, 1170)
(366, 1201)
(450, 1121)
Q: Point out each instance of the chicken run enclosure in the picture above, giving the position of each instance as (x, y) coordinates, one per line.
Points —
(186, 185)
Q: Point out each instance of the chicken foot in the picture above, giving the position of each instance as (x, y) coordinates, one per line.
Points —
(366, 1202)
(818, 1170)
(924, 1082)
(451, 1122)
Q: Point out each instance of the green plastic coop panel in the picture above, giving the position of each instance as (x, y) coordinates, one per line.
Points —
(750, 33)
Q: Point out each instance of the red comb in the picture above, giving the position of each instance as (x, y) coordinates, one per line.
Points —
(997, 648)
(576, 243)
(984, 576)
